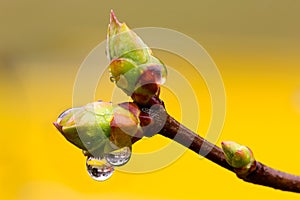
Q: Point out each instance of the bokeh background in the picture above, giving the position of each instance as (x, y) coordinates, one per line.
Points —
(255, 45)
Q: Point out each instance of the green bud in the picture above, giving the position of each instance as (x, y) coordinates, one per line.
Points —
(133, 67)
(65, 123)
(87, 127)
(125, 125)
(125, 73)
(238, 156)
(124, 43)
(100, 127)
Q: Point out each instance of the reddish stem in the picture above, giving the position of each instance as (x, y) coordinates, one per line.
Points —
(258, 174)
(261, 174)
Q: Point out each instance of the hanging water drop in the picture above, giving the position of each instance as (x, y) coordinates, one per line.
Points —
(119, 157)
(98, 168)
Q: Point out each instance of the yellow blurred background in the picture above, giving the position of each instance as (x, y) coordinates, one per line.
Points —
(255, 45)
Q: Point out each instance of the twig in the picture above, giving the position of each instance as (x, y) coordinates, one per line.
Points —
(259, 173)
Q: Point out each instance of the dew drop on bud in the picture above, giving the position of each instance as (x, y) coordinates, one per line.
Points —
(63, 114)
(112, 79)
(63, 117)
(98, 168)
(119, 157)
(85, 153)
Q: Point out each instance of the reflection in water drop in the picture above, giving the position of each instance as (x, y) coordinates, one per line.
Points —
(63, 114)
(119, 157)
(98, 168)
(67, 116)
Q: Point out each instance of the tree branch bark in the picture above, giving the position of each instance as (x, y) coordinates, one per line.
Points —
(260, 174)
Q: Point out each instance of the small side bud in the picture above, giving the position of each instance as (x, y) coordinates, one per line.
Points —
(238, 156)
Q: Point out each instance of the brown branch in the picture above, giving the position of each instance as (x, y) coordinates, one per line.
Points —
(176, 131)
(260, 174)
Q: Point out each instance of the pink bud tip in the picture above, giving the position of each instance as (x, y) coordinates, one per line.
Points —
(113, 18)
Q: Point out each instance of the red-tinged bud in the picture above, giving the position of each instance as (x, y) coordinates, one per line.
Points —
(101, 127)
(238, 156)
(133, 67)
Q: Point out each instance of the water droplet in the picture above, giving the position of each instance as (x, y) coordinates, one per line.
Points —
(64, 113)
(112, 79)
(67, 115)
(119, 157)
(98, 168)
(85, 153)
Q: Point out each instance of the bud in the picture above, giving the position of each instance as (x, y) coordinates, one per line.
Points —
(238, 156)
(100, 127)
(125, 125)
(124, 43)
(133, 67)
(65, 123)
